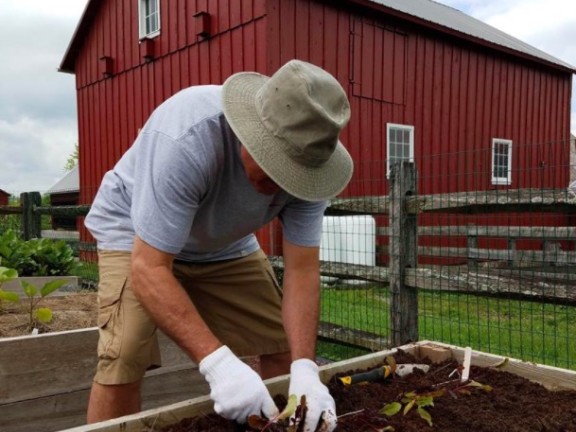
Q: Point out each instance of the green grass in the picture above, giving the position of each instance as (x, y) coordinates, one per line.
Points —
(86, 270)
(530, 331)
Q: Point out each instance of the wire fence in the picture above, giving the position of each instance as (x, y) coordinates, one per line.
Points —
(452, 248)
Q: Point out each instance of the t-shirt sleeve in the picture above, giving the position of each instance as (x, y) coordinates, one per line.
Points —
(302, 222)
(168, 188)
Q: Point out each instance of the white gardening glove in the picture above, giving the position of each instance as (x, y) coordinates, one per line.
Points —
(236, 389)
(304, 380)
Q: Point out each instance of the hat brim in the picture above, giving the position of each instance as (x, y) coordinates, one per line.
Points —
(307, 183)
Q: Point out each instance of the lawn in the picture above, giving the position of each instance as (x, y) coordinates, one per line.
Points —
(531, 331)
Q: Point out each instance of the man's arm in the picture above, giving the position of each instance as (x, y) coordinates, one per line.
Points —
(300, 310)
(300, 307)
(167, 302)
(236, 389)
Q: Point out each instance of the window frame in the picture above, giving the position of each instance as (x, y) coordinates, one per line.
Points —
(142, 19)
(396, 126)
(500, 180)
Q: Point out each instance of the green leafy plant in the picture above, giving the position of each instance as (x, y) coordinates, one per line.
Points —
(39, 314)
(7, 274)
(36, 257)
(424, 400)
(410, 400)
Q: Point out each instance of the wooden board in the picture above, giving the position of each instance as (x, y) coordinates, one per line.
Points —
(551, 377)
(46, 379)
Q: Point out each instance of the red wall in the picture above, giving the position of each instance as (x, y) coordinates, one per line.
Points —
(457, 96)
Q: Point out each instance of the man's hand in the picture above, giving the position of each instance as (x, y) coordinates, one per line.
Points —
(304, 380)
(235, 388)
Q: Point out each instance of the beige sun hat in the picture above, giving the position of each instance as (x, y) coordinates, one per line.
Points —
(290, 123)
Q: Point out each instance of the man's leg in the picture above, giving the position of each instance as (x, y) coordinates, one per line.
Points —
(127, 344)
(272, 365)
(111, 401)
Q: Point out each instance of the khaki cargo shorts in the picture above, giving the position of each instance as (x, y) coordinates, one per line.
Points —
(239, 299)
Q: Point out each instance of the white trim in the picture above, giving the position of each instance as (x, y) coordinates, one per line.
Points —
(499, 180)
(408, 128)
(142, 34)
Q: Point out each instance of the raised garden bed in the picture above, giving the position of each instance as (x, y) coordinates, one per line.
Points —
(45, 379)
(524, 397)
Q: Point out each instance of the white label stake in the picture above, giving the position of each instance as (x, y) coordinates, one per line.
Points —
(466, 364)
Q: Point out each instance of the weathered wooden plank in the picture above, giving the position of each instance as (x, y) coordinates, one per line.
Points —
(558, 257)
(161, 387)
(7, 210)
(403, 241)
(53, 363)
(554, 287)
(357, 338)
(444, 279)
(550, 377)
(518, 232)
(473, 202)
(344, 270)
(63, 210)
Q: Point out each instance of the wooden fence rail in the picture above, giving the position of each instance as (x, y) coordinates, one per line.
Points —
(402, 276)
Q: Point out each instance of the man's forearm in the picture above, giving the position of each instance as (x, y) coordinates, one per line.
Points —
(169, 305)
(300, 311)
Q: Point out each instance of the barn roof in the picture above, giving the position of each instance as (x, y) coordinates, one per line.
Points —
(451, 18)
(424, 12)
(69, 183)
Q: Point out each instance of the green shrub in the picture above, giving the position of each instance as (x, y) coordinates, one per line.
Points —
(36, 257)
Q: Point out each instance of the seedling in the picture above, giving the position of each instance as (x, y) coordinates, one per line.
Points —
(410, 400)
(39, 314)
(423, 400)
(7, 274)
(257, 422)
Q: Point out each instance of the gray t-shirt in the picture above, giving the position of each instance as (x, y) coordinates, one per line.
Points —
(182, 188)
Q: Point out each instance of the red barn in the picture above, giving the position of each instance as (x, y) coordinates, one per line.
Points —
(474, 108)
(4, 197)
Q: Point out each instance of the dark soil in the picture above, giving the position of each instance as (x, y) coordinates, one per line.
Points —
(514, 405)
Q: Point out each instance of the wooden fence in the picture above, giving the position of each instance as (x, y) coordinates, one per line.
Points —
(402, 275)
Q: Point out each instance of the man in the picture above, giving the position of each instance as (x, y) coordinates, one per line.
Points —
(174, 222)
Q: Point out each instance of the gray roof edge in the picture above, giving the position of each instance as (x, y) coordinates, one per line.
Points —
(454, 19)
(69, 183)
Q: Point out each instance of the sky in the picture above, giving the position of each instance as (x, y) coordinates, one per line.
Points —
(38, 123)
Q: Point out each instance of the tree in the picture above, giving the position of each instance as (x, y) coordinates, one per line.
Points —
(72, 159)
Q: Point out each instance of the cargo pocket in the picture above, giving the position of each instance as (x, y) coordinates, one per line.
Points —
(110, 317)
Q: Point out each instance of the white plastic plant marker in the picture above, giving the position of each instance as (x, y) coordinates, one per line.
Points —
(466, 364)
(35, 331)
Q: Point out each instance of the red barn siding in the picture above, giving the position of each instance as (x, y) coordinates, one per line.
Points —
(457, 95)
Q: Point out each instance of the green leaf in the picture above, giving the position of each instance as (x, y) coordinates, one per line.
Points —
(28, 288)
(7, 274)
(43, 315)
(425, 415)
(425, 401)
(9, 296)
(391, 409)
(52, 286)
(476, 384)
(289, 409)
(409, 406)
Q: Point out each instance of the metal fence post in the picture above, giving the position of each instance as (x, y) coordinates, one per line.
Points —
(403, 254)
(31, 220)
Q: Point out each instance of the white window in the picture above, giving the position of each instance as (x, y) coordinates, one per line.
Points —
(149, 13)
(400, 144)
(501, 161)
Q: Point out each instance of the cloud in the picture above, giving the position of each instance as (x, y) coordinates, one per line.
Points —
(38, 127)
(34, 153)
